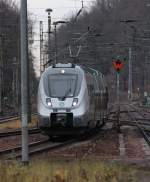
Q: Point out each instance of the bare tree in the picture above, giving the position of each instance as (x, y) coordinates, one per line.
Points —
(10, 59)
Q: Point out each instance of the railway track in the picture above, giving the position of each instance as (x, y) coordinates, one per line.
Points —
(145, 108)
(46, 145)
(141, 122)
(18, 148)
(141, 119)
(18, 132)
(11, 118)
(105, 142)
(8, 119)
(130, 139)
(140, 125)
(133, 128)
(36, 148)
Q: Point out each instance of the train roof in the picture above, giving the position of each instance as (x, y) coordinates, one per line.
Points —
(71, 67)
(59, 67)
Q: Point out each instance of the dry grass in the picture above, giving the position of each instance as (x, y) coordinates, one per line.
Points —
(16, 124)
(62, 171)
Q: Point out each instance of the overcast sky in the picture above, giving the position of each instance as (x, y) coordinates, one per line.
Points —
(62, 10)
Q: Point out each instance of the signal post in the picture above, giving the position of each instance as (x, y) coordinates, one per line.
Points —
(118, 64)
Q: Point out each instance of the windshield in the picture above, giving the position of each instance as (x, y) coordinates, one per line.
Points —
(62, 86)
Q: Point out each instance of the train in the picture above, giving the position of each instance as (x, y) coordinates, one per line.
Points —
(71, 99)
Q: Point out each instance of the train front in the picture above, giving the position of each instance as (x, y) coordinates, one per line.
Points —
(63, 100)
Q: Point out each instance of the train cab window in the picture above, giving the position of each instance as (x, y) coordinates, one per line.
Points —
(62, 86)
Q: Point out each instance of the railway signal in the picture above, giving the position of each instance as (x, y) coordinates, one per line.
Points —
(118, 64)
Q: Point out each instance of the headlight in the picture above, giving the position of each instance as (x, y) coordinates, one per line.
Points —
(75, 102)
(48, 102)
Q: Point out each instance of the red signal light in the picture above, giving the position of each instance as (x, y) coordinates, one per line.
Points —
(117, 65)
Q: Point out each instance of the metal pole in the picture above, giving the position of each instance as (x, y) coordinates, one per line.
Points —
(13, 88)
(1, 73)
(24, 81)
(130, 75)
(41, 48)
(0, 91)
(55, 44)
(118, 88)
(145, 76)
(17, 86)
(1, 62)
(49, 32)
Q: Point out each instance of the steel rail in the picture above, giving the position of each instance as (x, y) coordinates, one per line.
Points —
(138, 110)
(145, 109)
(141, 129)
(90, 136)
(136, 119)
(15, 149)
(11, 118)
(18, 132)
(146, 137)
(46, 145)
(7, 119)
(37, 148)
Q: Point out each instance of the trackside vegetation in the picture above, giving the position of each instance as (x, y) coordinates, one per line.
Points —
(58, 170)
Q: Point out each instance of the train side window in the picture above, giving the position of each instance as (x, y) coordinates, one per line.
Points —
(90, 89)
